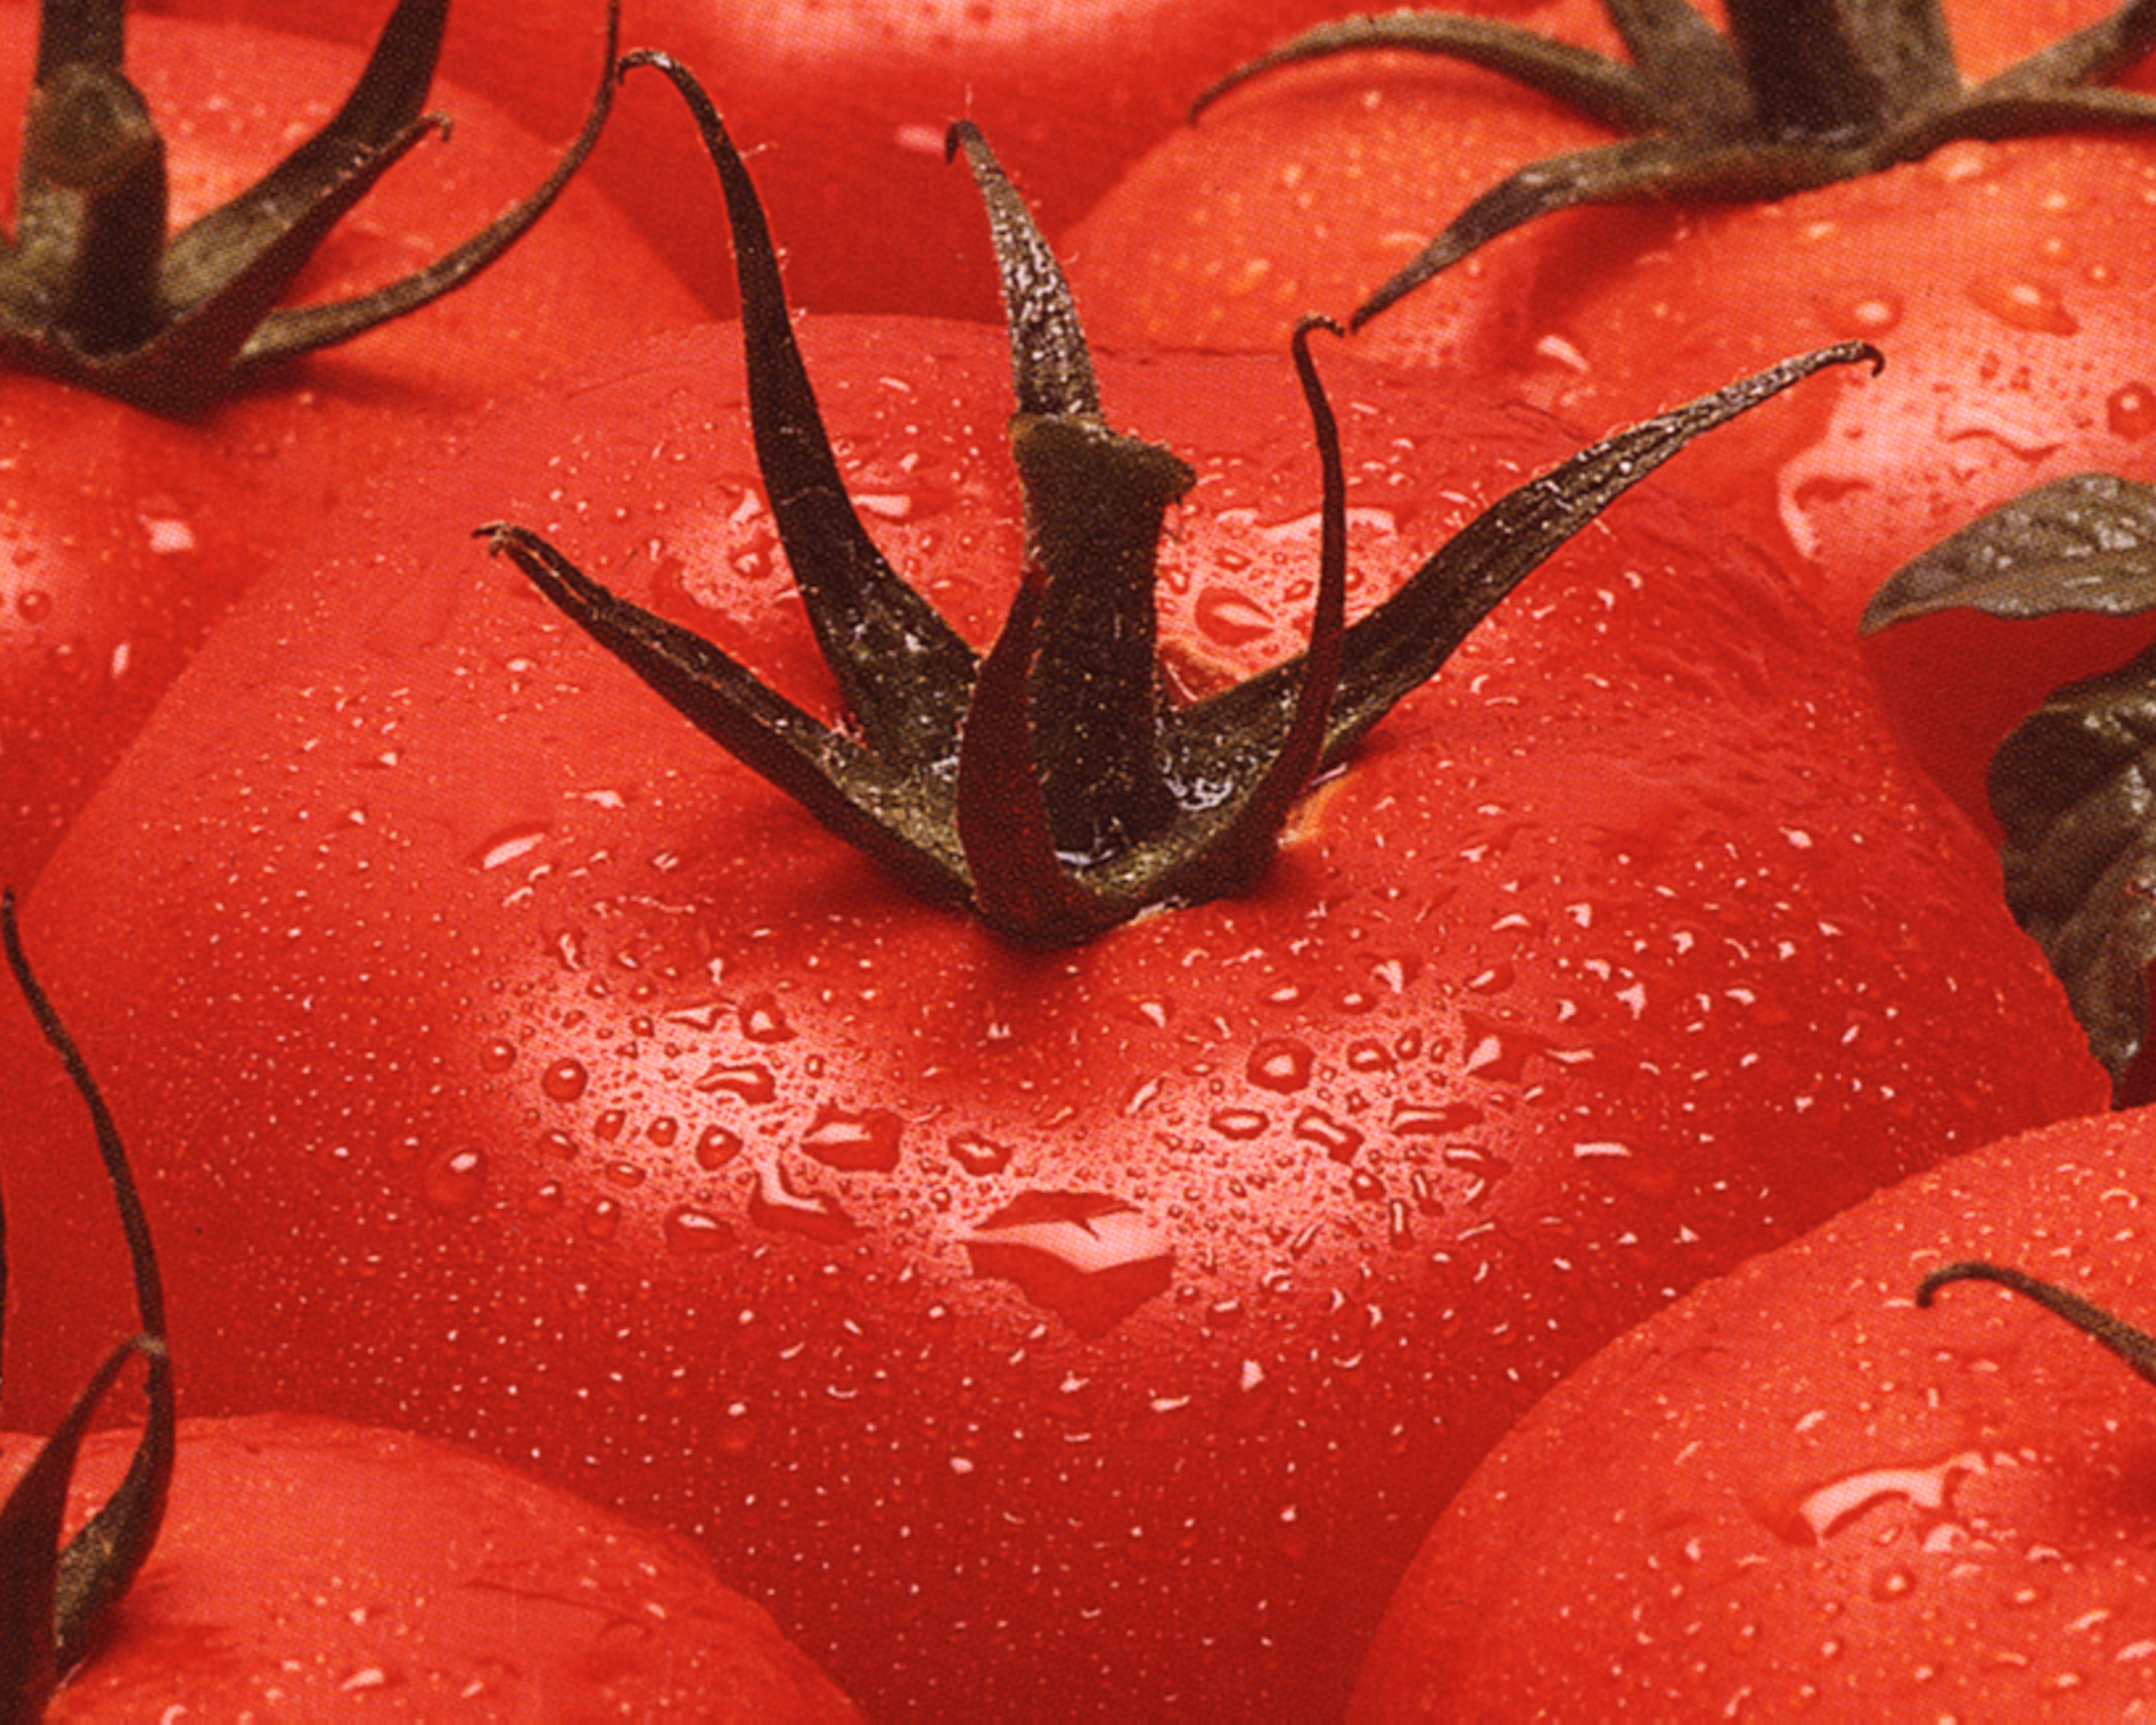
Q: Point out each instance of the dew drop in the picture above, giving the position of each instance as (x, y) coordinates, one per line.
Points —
(1240, 1124)
(2131, 411)
(507, 845)
(687, 1229)
(1282, 1064)
(979, 1155)
(1091, 1259)
(664, 1131)
(607, 1128)
(1337, 1139)
(565, 1080)
(33, 604)
(763, 1020)
(773, 1204)
(1232, 619)
(602, 1220)
(753, 1083)
(1862, 316)
(2024, 306)
(855, 1140)
(453, 1179)
(717, 1147)
(498, 1056)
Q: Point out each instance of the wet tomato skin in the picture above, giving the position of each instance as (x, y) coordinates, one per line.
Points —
(1035, 1330)
(846, 105)
(308, 1567)
(2006, 283)
(1846, 1503)
(122, 535)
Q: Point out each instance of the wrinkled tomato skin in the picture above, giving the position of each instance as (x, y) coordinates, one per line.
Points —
(310, 1568)
(846, 105)
(1041, 1333)
(123, 536)
(1847, 1504)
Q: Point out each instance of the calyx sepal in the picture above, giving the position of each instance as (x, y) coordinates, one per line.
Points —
(95, 290)
(1800, 94)
(1047, 785)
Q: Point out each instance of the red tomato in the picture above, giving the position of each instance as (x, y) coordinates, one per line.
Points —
(2006, 283)
(1795, 1489)
(1042, 1332)
(122, 535)
(847, 104)
(311, 1568)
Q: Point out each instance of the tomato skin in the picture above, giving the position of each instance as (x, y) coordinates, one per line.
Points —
(847, 103)
(123, 536)
(323, 1570)
(1796, 1487)
(516, 1066)
(2006, 283)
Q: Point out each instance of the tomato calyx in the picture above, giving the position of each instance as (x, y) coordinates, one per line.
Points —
(1800, 94)
(95, 290)
(1047, 785)
(55, 1600)
(2137, 1347)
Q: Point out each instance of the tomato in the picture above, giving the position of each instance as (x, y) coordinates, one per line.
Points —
(2006, 282)
(1039, 1328)
(848, 104)
(1795, 1488)
(122, 535)
(310, 1568)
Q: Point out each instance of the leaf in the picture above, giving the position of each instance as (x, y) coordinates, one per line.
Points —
(2075, 787)
(2083, 543)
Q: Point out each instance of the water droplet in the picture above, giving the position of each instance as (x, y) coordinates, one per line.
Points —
(1090, 1259)
(663, 1131)
(693, 1230)
(1895, 1582)
(607, 1128)
(2028, 306)
(1337, 1139)
(979, 1155)
(602, 1220)
(763, 1020)
(717, 1147)
(1240, 1124)
(565, 1080)
(507, 845)
(33, 604)
(1233, 619)
(752, 1083)
(499, 1056)
(2131, 411)
(774, 1204)
(1282, 1064)
(867, 1139)
(455, 1179)
(1433, 1120)
(1862, 316)
(1830, 1508)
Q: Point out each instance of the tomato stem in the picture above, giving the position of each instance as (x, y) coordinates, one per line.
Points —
(55, 1600)
(95, 290)
(2137, 1347)
(1049, 785)
(1800, 94)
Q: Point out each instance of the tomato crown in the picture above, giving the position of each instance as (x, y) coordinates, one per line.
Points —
(94, 289)
(55, 1600)
(1047, 785)
(1800, 94)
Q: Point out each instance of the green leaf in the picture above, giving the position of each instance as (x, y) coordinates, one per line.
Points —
(2083, 543)
(2075, 787)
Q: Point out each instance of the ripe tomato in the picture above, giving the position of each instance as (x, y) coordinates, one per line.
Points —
(2006, 283)
(1038, 1331)
(848, 104)
(1794, 1489)
(309, 1568)
(123, 535)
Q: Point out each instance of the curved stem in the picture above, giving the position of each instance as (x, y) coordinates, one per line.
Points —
(2137, 1347)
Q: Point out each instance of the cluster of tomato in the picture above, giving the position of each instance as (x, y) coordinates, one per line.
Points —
(1071, 1260)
